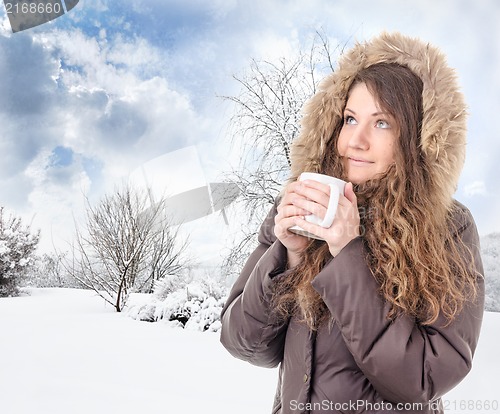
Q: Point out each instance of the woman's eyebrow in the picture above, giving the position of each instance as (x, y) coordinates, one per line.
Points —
(374, 114)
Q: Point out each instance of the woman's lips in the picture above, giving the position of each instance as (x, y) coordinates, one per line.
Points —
(359, 161)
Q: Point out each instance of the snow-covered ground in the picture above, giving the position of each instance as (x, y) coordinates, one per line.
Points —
(65, 351)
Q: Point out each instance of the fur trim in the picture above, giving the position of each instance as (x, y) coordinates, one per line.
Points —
(444, 122)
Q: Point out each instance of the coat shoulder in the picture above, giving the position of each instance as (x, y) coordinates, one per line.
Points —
(461, 218)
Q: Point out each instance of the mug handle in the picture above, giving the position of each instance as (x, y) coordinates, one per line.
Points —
(333, 202)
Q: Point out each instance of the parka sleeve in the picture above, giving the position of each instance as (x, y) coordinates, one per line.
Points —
(250, 330)
(404, 361)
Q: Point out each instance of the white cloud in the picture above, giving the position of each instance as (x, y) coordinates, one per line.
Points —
(105, 106)
(124, 88)
(56, 198)
(475, 188)
(114, 109)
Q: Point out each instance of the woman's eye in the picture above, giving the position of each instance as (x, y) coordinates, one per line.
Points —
(348, 119)
(382, 124)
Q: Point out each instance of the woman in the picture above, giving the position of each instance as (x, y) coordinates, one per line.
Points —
(384, 314)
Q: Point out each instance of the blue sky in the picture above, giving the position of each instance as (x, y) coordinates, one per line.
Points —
(112, 84)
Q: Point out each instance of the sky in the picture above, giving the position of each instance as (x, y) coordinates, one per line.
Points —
(90, 97)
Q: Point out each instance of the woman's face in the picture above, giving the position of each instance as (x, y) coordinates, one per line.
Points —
(367, 138)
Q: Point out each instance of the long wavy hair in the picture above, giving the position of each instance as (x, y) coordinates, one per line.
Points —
(422, 267)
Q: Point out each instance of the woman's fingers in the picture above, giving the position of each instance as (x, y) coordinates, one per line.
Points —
(286, 214)
(310, 227)
(311, 196)
(314, 191)
(289, 210)
(345, 226)
(350, 195)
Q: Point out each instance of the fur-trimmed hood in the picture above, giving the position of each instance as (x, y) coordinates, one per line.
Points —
(443, 135)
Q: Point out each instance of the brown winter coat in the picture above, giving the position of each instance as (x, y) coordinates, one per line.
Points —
(362, 362)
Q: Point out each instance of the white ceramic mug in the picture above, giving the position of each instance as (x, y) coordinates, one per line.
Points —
(337, 187)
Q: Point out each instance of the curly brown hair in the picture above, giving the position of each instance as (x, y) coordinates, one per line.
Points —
(412, 245)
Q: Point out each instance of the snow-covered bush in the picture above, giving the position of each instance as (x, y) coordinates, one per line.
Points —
(194, 305)
(490, 253)
(171, 283)
(48, 272)
(17, 247)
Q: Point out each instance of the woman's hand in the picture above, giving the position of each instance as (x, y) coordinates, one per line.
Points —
(313, 197)
(288, 212)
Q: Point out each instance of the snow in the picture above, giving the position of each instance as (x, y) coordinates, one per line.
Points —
(66, 351)
(490, 254)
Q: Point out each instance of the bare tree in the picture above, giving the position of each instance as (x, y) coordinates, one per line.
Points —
(128, 244)
(266, 121)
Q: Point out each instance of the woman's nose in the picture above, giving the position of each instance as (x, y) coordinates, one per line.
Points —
(359, 138)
